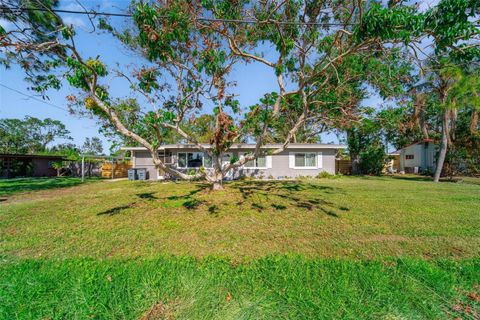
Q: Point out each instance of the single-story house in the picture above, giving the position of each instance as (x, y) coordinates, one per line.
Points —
(299, 159)
(418, 157)
(28, 165)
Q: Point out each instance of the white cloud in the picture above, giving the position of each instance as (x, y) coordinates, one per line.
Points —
(75, 21)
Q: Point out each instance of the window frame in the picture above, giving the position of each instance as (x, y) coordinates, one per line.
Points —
(255, 162)
(409, 157)
(315, 166)
(186, 160)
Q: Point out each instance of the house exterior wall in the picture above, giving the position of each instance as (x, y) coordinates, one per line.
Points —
(423, 156)
(43, 168)
(279, 165)
(143, 160)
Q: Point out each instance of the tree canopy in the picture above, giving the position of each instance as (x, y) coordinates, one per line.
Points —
(30, 135)
(325, 56)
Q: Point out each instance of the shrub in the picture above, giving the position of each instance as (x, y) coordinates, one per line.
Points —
(326, 175)
(372, 160)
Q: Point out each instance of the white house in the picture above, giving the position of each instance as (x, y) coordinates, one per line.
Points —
(300, 159)
(418, 156)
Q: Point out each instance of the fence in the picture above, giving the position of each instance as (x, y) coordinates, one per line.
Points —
(120, 170)
(343, 166)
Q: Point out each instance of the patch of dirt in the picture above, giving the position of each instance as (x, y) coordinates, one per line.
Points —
(159, 311)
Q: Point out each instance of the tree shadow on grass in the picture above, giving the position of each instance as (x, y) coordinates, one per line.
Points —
(116, 210)
(188, 200)
(413, 178)
(147, 196)
(291, 193)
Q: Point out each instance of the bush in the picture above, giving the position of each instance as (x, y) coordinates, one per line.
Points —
(325, 175)
(372, 160)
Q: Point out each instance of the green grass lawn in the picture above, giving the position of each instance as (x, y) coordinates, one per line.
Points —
(353, 247)
(13, 186)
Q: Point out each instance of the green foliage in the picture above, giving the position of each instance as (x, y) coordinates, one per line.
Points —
(81, 75)
(148, 80)
(451, 23)
(327, 71)
(43, 26)
(372, 159)
(326, 175)
(398, 23)
(366, 148)
(30, 135)
(175, 25)
(92, 146)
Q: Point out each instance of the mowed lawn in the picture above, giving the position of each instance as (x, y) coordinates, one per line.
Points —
(352, 247)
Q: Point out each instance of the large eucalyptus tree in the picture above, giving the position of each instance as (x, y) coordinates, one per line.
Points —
(322, 55)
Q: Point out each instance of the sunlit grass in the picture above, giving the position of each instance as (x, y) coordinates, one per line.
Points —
(348, 217)
(349, 248)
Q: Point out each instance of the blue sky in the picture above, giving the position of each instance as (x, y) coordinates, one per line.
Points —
(253, 80)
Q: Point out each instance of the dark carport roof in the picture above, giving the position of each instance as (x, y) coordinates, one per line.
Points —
(32, 156)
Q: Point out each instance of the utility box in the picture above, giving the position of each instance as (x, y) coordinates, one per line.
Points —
(132, 174)
(142, 174)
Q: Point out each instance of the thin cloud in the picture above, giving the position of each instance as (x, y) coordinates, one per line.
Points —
(75, 21)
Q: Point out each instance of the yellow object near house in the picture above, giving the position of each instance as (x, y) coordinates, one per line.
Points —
(120, 170)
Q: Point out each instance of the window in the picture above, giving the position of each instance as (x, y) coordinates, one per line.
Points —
(165, 156)
(409, 157)
(207, 161)
(193, 160)
(182, 160)
(259, 162)
(305, 160)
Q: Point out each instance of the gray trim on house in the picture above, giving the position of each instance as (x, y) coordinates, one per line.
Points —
(315, 158)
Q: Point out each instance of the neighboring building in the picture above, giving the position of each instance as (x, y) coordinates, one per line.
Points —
(418, 157)
(27, 165)
(298, 160)
(392, 165)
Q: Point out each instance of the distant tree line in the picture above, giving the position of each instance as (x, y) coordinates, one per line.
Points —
(35, 136)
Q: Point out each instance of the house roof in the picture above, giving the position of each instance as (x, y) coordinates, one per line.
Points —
(412, 144)
(247, 146)
(32, 156)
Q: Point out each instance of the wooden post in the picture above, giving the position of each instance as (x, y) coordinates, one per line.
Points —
(83, 168)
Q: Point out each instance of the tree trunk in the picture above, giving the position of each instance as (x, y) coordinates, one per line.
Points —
(474, 122)
(217, 180)
(355, 164)
(217, 185)
(420, 116)
(443, 149)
